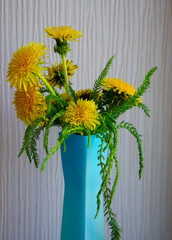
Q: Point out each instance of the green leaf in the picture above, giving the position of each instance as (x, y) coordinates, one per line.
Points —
(32, 146)
(73, 94)
(53, 150)
(98, 82)
(29, 131)
(65, 134)
(57, 115)
(144, 108)
(28, 155)
(134, 132)
(146, 83)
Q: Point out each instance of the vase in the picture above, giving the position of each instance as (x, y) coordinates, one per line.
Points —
(82, 183)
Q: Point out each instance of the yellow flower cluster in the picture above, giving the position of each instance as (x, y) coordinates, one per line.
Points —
(23, 73)
(83, 113)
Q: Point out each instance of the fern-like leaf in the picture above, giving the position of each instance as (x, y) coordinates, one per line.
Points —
(98, 82)
(115, 142)
(106, 173)
(134, 132)
(34, 151)
(29, 131)
(144, 108)
(28, 155)
(146, 83)
(111, 217)
(73, 94)
(65, 134)
(57, 115)
(32, 146)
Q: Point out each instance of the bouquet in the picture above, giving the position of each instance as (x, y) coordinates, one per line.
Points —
(40, 105)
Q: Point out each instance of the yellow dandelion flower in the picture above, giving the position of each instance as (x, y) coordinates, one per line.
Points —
(24, 67)
(83, 113)
(29, 105)
(63, 32)
(84, 93)
(55, 75)
(120, 87)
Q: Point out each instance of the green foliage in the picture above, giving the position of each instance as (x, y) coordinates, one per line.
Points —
(98, 82)
(116, 164)
(44, 90)
(107, 193)
(57, 115)
(59, 102)
(88, 133)
(65, 134)
(57, 94)
(109, 101)
(28, 155)
(146, 83)
(144, 108)
(73, 94)
(29, 131)
(126, 105)
(32, 146)
(134, 132)
(52, 151)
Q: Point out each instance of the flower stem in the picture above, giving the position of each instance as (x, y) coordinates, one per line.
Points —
(47, 85)
(66, 84)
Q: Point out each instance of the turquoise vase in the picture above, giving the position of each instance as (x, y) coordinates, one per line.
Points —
(82, 183)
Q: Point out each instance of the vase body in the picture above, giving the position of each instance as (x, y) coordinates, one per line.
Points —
(82, 183)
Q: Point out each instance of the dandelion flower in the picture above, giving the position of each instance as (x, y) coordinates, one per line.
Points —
(63, 32)
(84, 94)
(55, 75)
(120, 87)
(24, 67)
(29, 105)
(83, 113)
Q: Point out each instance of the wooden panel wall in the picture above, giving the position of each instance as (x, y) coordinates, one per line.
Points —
(139, 33)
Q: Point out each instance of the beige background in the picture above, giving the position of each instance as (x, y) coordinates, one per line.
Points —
(139, 33)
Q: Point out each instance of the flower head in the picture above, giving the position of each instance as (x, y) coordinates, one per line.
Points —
(83, 113)
(119, 87)
(56, 73)
(24, 67)
(84, 94)
(63, 33)
(29, 105)
(87, 94)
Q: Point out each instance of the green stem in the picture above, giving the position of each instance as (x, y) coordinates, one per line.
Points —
(66, 84)
(47, 85)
